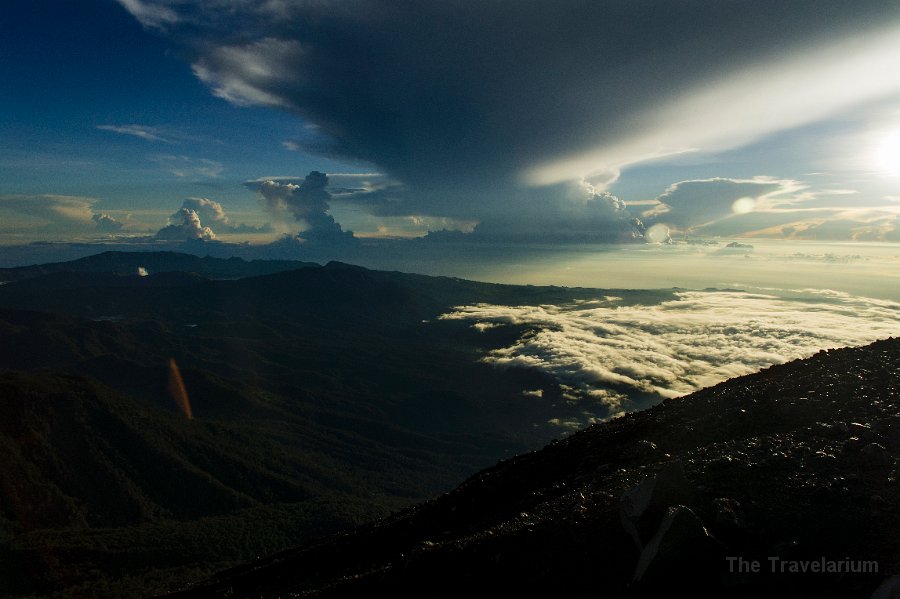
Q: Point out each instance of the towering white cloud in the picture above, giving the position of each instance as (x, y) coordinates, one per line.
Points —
(185, 225)
(209, 211)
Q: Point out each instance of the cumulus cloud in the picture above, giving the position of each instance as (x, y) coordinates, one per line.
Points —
(306, 203)
(208, 210)
(695, 340)
(106, 223)
(185, 225)
(199, 218)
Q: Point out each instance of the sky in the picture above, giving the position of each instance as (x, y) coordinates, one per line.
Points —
(339, 127)
(741, 156)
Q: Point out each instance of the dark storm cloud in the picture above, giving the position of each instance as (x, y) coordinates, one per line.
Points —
(579, 213)
(106, 223)
(306, 203)
(690, 204)
(458, 99)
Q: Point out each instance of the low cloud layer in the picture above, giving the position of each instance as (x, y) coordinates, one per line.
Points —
(611, 351)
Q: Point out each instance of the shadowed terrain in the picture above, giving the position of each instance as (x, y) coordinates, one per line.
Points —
(790, 466)
(322, 398)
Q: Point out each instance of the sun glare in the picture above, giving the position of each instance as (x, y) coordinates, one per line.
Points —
(888, 156)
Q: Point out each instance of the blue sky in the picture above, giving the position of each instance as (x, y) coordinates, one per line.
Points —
(95, 106)
(543, 122)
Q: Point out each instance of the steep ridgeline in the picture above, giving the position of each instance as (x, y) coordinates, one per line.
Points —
(782, 483)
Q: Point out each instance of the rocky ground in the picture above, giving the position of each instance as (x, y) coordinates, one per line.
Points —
(781, 483)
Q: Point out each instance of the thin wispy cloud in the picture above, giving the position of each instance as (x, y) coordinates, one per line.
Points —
(188, 167)
(150, 14)
(769, 207)
(56, 213)
(675, 347)
(51, 207)
(141, 131)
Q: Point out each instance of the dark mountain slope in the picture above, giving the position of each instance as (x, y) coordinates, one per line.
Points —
(85, 467)
(336, 291)
(794, 467)
(127, 263)
(322, 398)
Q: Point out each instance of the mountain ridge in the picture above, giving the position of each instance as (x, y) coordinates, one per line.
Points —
(129, 263)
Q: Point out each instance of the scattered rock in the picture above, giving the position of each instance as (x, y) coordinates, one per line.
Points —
(874, 455)
(680, 544)
(641, 450)
(642, 506)
(728, 512)
(889, 589)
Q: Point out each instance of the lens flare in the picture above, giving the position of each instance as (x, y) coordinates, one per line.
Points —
(178, 390)
(658, 233)
(888, 154)
(743, 205)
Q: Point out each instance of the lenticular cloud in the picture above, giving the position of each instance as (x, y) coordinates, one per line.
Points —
(675, 347)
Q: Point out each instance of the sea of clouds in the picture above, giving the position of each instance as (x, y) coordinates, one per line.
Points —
(613, 353)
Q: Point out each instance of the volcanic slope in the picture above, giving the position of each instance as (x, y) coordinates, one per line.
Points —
(793, 468)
